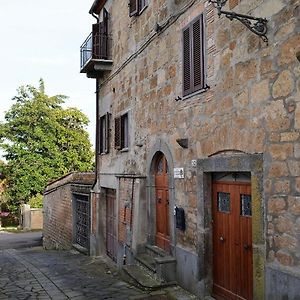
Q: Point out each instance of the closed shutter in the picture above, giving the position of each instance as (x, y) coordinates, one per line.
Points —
(193, 57)
(198, 51)
(186, 62)
(101, 146)
(96, 40)
(107, 133)
(118, 133)
(133, 7)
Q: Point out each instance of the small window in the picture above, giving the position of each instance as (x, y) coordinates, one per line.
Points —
(104, 134)
(223, 200)
(137, 6)
(193, 56)
(246, 207)
(121, 132)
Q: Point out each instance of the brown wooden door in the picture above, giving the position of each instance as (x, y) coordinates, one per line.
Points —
(232, 241)
(111, 232)
(162, 204)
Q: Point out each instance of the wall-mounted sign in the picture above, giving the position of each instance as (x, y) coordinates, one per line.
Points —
(178, 173)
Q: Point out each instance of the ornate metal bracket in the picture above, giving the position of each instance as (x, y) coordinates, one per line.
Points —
(256, 25)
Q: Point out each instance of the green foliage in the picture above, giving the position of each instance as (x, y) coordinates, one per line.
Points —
(42, 141)
(36, 201)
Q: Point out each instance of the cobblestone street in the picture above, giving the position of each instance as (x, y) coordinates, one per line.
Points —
(34, 273)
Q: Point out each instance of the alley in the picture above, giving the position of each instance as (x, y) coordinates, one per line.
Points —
(33, 273)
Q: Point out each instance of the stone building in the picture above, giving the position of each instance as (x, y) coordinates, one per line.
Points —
(198, 147)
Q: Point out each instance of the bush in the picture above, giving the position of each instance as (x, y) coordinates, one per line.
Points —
(36, 201)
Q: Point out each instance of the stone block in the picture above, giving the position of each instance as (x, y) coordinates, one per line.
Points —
(285, 241)
(288, 50)
(278, 169)
(294, 205)
(282, 186)
(276, 205)
(260, 91)
(284, 85)
(289, 137)
(281, 151)
(294, 167)
(284, 258)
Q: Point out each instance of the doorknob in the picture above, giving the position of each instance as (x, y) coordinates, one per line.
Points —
(247, 247)
(222, 239)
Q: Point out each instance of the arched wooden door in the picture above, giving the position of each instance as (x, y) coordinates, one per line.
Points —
(232, 241)
(162, 203)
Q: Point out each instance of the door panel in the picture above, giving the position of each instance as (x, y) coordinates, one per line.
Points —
(232, 240)
(162, 204)
(111, 231)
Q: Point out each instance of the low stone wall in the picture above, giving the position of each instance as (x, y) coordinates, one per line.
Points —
(58, 209)
(31, 218)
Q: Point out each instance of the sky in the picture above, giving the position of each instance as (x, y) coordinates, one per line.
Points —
(42, 39)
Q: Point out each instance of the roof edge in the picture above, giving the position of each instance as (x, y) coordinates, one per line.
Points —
(97, 6)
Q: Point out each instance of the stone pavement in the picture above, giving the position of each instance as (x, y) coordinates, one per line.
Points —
(34, 273)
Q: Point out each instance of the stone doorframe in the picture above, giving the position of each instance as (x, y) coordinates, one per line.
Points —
(252, 163)
(159, 147)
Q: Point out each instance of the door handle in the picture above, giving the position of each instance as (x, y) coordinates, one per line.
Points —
(222, 239)
(247, 247)
(159, 200)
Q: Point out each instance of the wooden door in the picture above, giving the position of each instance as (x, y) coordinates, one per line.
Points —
(162, 203)
(232, 241)
(111, 231)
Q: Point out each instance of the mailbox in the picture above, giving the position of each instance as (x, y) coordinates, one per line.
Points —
(180, 218)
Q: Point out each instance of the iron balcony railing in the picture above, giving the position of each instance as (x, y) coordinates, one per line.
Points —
(96, 46)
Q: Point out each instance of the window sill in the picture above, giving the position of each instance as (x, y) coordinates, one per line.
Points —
(124, 150)
(195, 93)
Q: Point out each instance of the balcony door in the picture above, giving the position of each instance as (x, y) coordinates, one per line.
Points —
(100, 37)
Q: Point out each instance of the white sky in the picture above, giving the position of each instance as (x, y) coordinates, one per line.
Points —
(41, 39)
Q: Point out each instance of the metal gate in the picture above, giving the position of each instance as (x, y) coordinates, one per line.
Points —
(82, 220)
(111, 231)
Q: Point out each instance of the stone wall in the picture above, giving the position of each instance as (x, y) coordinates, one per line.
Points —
(252, 106)
(58, 225)
(31, 218)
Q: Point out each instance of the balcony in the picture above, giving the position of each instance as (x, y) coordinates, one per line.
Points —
(95, 52)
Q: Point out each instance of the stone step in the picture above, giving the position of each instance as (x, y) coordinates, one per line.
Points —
(155, 251)
(144, 279)
(146, 261)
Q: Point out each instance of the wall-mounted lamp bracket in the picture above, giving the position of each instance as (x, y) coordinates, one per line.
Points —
(256, 25)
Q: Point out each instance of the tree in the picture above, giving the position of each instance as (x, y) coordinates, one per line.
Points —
(42, 141)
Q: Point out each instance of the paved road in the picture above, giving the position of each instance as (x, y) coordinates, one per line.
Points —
(35, 273)
(20, 240)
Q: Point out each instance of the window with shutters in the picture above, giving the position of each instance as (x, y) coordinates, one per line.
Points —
(137, 6)
(104, 134)
(121, 132)
(193, 56)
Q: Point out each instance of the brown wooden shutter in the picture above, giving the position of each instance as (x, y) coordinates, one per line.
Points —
(100, 148)
(96, 40)
(186, 62)
(133, 7)
(118, 133)
(198, 54)
(107, 118)
(193, 57)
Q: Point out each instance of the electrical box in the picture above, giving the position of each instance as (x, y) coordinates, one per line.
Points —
(180, 218)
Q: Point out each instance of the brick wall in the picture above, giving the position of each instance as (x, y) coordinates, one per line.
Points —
(58, 210)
